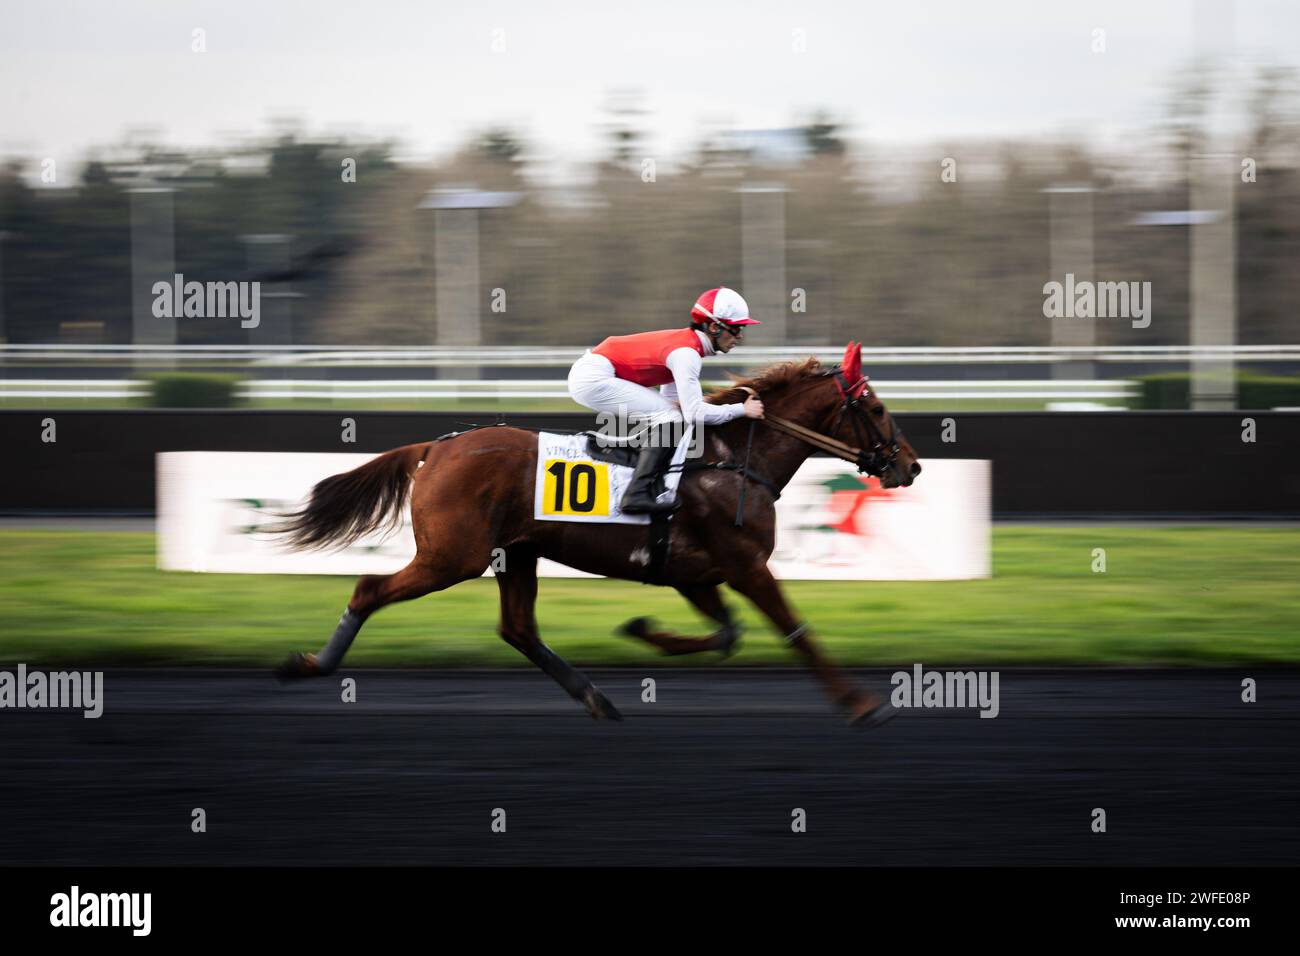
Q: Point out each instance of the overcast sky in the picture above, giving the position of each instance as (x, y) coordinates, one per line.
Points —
(77, 74)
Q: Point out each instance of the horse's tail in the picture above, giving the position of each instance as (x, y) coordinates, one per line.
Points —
(343, 508)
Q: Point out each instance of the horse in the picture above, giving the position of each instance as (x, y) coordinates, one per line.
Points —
(471, 493)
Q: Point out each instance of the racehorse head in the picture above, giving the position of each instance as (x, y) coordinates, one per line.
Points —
(862, 420)
(839, 403)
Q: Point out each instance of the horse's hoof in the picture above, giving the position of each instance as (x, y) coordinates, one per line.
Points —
(637, 627)
(298, 667)
(873, 716)
(599, 706)
(728, 642)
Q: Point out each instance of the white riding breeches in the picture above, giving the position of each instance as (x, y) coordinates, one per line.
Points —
(594, 383)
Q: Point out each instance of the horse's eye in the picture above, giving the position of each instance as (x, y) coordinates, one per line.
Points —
(878, 410)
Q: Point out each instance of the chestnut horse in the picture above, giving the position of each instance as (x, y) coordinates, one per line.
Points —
(472, 492)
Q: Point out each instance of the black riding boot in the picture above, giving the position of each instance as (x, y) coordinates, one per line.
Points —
(639, 498)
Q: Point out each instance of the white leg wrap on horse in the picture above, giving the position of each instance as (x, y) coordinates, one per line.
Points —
(332, 654)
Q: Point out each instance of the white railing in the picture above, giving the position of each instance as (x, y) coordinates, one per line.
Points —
(129, 361)
(72, 388)
(506, 389)
(550, 356)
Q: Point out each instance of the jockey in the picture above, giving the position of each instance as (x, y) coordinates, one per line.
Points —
(620, 373)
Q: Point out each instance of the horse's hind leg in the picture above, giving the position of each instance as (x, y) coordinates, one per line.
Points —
(708, 599)
(517, 582)
(374, 591)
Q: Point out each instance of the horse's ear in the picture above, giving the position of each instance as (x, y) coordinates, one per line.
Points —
(852, 364)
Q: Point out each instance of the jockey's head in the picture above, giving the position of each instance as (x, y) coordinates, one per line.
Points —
(722, 315)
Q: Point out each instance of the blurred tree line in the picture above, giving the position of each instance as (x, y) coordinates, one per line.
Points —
(65, 254)
(885, 250)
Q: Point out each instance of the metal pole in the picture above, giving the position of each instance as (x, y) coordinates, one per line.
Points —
(1214, 283)
(456, 294)
(762, 244)
(3, 335)
(1071, 253)
(270, 254)
(153, 259)
(1212, 186)
(3, 237)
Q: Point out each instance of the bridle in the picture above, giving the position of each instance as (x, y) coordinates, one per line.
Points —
(880, 452)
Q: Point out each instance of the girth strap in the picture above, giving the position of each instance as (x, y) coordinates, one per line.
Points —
(659, 541)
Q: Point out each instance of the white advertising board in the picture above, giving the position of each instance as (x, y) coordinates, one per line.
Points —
(832, 523)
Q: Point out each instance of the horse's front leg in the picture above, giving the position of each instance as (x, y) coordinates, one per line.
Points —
(762, 589)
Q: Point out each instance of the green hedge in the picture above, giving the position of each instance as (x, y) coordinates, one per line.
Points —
(1173, 390)
(193, 390)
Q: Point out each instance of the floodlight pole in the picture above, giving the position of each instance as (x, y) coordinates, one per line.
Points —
(1071, 252)
(153, 259)
(762, 258)
(457, 293)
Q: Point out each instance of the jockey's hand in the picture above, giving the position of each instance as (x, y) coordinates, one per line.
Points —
(753, 407)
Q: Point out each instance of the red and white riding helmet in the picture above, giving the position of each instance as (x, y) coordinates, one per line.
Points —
(723, 304)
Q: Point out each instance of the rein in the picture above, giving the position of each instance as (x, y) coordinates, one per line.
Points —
(875, 460)
(832, 446)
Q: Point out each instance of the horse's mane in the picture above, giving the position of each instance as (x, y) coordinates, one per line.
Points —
(773, 377)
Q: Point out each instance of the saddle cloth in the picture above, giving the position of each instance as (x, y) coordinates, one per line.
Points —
(574, 485)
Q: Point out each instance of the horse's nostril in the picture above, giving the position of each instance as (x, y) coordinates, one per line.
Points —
(916, 468)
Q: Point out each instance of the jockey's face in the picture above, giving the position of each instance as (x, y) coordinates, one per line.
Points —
(728, 336)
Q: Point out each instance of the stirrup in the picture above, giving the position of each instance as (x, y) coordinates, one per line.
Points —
(639, 498)
(645, 505)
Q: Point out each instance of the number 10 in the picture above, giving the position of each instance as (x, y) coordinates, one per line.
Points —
(583, 502)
